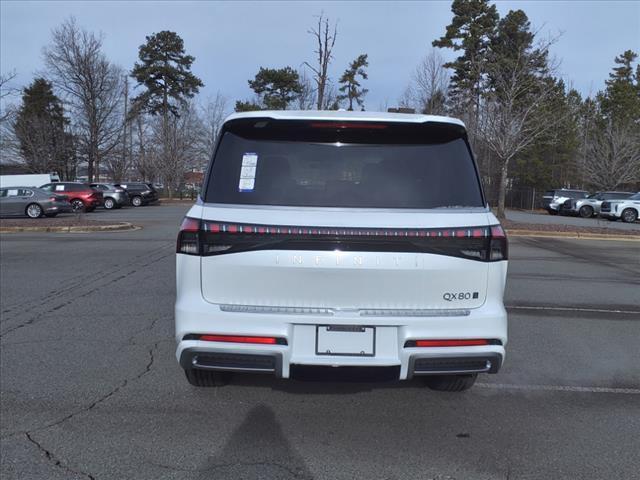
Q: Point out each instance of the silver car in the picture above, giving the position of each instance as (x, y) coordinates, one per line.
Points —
(32, 202)
(590, 206)
(114, 195)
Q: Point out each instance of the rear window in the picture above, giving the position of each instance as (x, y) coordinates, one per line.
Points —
(325, 164)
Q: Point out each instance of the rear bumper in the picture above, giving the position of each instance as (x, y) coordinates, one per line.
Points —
(58, 208)
(195, 316)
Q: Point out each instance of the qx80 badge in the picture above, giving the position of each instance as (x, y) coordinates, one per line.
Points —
(453, 296)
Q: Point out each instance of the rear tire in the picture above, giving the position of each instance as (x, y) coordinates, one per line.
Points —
(109, 203)
(207, 378)
(136, 201)
(77, 205)
(552, 212)
(586, 211)
(33, 210)
(450, 383)
(629, 215)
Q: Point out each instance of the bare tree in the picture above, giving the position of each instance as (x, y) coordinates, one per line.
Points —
(326, 40)
(429, 84)
(91, 85)
(613, 156)
(307, 98)
(6, 91)
(213, 115)
(118, 160)
(180, 136)
(517, 110)
(144, 150)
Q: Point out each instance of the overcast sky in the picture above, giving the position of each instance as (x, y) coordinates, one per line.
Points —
(230, 40)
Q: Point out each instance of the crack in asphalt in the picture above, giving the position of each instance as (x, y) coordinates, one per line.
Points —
(48, 453)
(74, 282)
(53, 459)
(41, 316)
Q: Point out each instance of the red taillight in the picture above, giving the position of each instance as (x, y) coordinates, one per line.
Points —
(209, 237)
(189, 238)
(345, 125)
(239, 339)
(190, 225)
(447, 343)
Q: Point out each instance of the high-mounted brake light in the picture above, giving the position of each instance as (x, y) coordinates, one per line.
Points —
(448, 343)
(349, 125)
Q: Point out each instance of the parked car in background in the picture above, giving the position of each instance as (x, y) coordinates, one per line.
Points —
(28, 180)
(80, 195)
(32, 202)
(552, 200)
(590, 206)
(115, 196)
(140, 193)
(628, 210)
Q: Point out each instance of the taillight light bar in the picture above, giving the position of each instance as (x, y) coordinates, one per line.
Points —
(205, 237)
(474, 342)
(237, 339)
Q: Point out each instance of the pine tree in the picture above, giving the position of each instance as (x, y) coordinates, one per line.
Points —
(350, 84)
(621, 98)
(277, 87)
(471, 31)
(165, 71)
(40, 129)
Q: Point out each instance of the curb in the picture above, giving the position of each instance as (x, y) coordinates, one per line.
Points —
(572, 235)
(118, 227)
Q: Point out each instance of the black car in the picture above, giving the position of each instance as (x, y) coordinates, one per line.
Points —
(140, 193)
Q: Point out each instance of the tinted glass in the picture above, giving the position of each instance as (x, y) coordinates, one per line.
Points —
(576, 194)
(549, 193)
(635, 197)
(47, 188)
(315, 171)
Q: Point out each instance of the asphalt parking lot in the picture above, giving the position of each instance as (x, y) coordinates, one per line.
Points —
(90, 388)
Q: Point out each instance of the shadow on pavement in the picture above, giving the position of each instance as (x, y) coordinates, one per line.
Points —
(257, 449)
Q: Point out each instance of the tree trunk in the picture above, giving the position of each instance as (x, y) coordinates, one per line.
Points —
(502, 191)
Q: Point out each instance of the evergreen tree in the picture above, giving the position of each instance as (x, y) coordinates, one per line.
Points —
(471, 31)
(350, 86)
(165, 71)
(40, 129)
(247, 106)
(277, 87)
(621, 98)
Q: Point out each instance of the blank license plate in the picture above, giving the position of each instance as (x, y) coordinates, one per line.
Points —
(351, 340)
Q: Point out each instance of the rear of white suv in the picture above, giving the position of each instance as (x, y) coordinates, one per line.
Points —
(341, 240)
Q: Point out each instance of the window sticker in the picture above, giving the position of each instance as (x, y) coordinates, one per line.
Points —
(59, 188)
(12, 193)
(248, 172)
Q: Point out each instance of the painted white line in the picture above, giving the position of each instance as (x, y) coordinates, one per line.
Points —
(568, 309)
(559, 388)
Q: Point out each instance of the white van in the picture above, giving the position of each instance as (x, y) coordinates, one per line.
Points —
(29, 180)
(341, 240)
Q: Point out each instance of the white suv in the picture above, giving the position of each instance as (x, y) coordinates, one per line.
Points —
(341, 241)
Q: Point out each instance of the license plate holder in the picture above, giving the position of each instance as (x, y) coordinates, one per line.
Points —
(346, 340)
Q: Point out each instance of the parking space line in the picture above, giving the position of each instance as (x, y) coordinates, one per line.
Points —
(559, 388)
